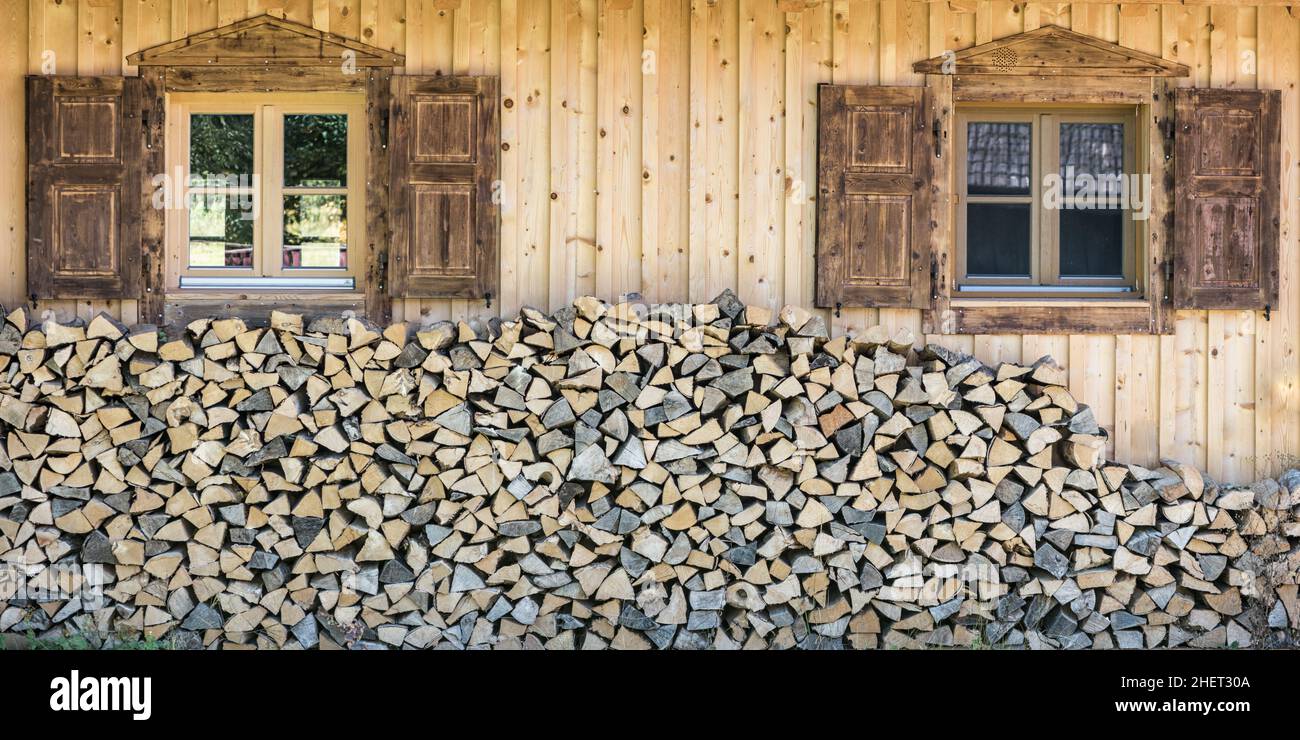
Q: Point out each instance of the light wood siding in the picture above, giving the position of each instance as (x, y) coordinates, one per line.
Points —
(668, 147)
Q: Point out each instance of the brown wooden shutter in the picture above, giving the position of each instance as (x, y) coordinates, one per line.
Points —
(1226, 183)
(84, 199)
(444, 162)
(875, 156)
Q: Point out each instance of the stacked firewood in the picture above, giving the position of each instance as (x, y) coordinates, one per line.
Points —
(705, 476)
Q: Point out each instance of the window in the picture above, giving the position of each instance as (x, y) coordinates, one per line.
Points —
(273, 189)
(1048, 201)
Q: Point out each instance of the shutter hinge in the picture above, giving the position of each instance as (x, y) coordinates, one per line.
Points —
(487, 297)
(381, 270)
(934, 280)
(1268, 312)
(838, 306)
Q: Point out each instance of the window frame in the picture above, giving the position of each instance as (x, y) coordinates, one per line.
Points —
(267, 272)
(1044, 281)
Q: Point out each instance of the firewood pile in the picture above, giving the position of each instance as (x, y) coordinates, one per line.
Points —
(706, 476)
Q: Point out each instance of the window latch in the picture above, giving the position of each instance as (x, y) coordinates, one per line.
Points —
(935, 129)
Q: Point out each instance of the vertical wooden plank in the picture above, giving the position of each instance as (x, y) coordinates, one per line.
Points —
(1037, 346)
(228, 11)
(180, 19)
(16, 56)
(1092, 379)
(565, 106)
(651, 41)
(320, 15)
(1139, 359)
(510, 155)
(85, 39)
(758, 277)
(533, 163)
(1231, 355)
(815, 68)
(345, 18)
(1277, 391)
(130, 33)
(203, 14)
(698, 245)
(368, 21)
(793, 268)
(997, 348)
(618, 246)
(722, 194)
(674, 151)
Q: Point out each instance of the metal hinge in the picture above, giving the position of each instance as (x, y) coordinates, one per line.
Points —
(934, 280)
(1268, 312)
(381, 270)
(487, 297)
(1169, 276)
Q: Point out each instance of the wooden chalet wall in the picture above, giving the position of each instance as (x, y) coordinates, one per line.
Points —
(667, 147)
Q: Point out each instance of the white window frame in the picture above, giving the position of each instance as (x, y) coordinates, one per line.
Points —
(267, 272)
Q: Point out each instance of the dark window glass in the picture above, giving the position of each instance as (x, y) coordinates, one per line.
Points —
(997, 239)
(998, 158)
(221, 230)
(316, 150)
(1092, 242)
(221, 150)
(315, 231)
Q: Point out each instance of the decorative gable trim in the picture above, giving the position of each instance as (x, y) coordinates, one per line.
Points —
(1052, 51)
(265, 41)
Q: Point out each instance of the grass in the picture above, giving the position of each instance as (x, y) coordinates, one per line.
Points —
(82, 642)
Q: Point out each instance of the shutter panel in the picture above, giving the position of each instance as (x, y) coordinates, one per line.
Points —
(1226, 183)
(444, 160)
(875, 155)
(84, 197)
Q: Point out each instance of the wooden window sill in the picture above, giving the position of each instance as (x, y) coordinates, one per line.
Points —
(180, 307)
(1046, 316)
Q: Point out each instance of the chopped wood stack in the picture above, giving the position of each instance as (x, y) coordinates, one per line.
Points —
(706, 476)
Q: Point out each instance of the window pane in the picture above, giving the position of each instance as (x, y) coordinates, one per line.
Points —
(221, 230)
(315, 231)
(316, 150)
(221, 149)
(997, 239)
(1092, 243)
(998, 158)
(1092, 148)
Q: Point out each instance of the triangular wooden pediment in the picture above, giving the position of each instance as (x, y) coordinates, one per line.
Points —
(1052, 50)
(265, 41)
